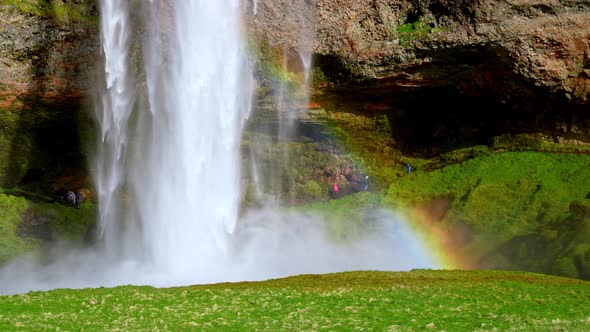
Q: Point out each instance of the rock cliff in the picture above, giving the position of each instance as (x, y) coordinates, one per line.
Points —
(530, 59)
(47, 54)
(545, 43)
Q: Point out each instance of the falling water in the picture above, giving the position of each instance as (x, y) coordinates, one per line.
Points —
(183, 167)
(194, 178)
(291, 96)
(112, 111)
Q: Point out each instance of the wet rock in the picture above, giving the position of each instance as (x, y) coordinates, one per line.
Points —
(35, 226)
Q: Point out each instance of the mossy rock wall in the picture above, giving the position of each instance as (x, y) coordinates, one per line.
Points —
(26, 225)
(48, 52)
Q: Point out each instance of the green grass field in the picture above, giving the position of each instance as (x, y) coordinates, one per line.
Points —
(380, 301)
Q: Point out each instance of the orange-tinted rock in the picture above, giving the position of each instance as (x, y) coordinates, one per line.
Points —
(312, 105)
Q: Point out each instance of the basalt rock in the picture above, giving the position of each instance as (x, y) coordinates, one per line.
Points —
(447, 73)
(544, 43)
(48, 52)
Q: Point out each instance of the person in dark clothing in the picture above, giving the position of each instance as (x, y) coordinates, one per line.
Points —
(79, 199)
(366, 183)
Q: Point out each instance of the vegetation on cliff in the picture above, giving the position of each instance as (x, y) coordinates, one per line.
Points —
(515, 210)
(84, 10)
(29, 221)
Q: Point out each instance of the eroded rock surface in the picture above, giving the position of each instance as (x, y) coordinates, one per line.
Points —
(546, 43)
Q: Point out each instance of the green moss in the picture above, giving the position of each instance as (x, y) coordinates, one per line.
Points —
(294, 171)
(59, 9)
(11, 244)
(533, 142)
(346, 217)
(415, 30)
(507, 189)
(565, 267)
(48, 137)
(17, 233)
(517, 204)
(319, 79)
(580, 209)
(67, 222)
(368, 138)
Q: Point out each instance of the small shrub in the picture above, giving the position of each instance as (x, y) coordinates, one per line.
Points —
(516, 142)
(580, 209)
(414, 30)
(312, 190)
(565, 267)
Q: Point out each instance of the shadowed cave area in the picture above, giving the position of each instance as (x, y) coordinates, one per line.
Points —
(460, 97)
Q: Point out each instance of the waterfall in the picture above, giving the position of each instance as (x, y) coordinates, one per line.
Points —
(112, 112)
(171, 112)
(182, 167)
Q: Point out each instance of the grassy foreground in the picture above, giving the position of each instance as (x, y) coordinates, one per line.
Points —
(384, 301)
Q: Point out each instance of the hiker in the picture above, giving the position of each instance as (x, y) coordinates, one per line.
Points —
(79, 199)
(409, 168)
(74, 199)
(335, 189)
(71, 198)
(366, 183)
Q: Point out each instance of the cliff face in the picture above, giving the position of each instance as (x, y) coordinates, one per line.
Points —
(46, 50)
(47, 56)
(545, 43)
(529, 59)
(448, 73)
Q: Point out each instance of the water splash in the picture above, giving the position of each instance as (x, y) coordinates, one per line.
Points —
(268, 243)
(291, 93)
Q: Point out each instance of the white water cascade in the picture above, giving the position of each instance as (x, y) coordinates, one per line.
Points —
(167, 169)
(112, 112)
(181, 166)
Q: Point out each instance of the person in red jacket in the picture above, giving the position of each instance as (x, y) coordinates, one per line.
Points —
(335, 189)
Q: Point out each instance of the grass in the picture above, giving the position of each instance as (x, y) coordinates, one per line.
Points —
(382, 301)
(509, 188)
(522, 210)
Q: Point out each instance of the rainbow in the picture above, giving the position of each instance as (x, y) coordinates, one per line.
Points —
(441, 243)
